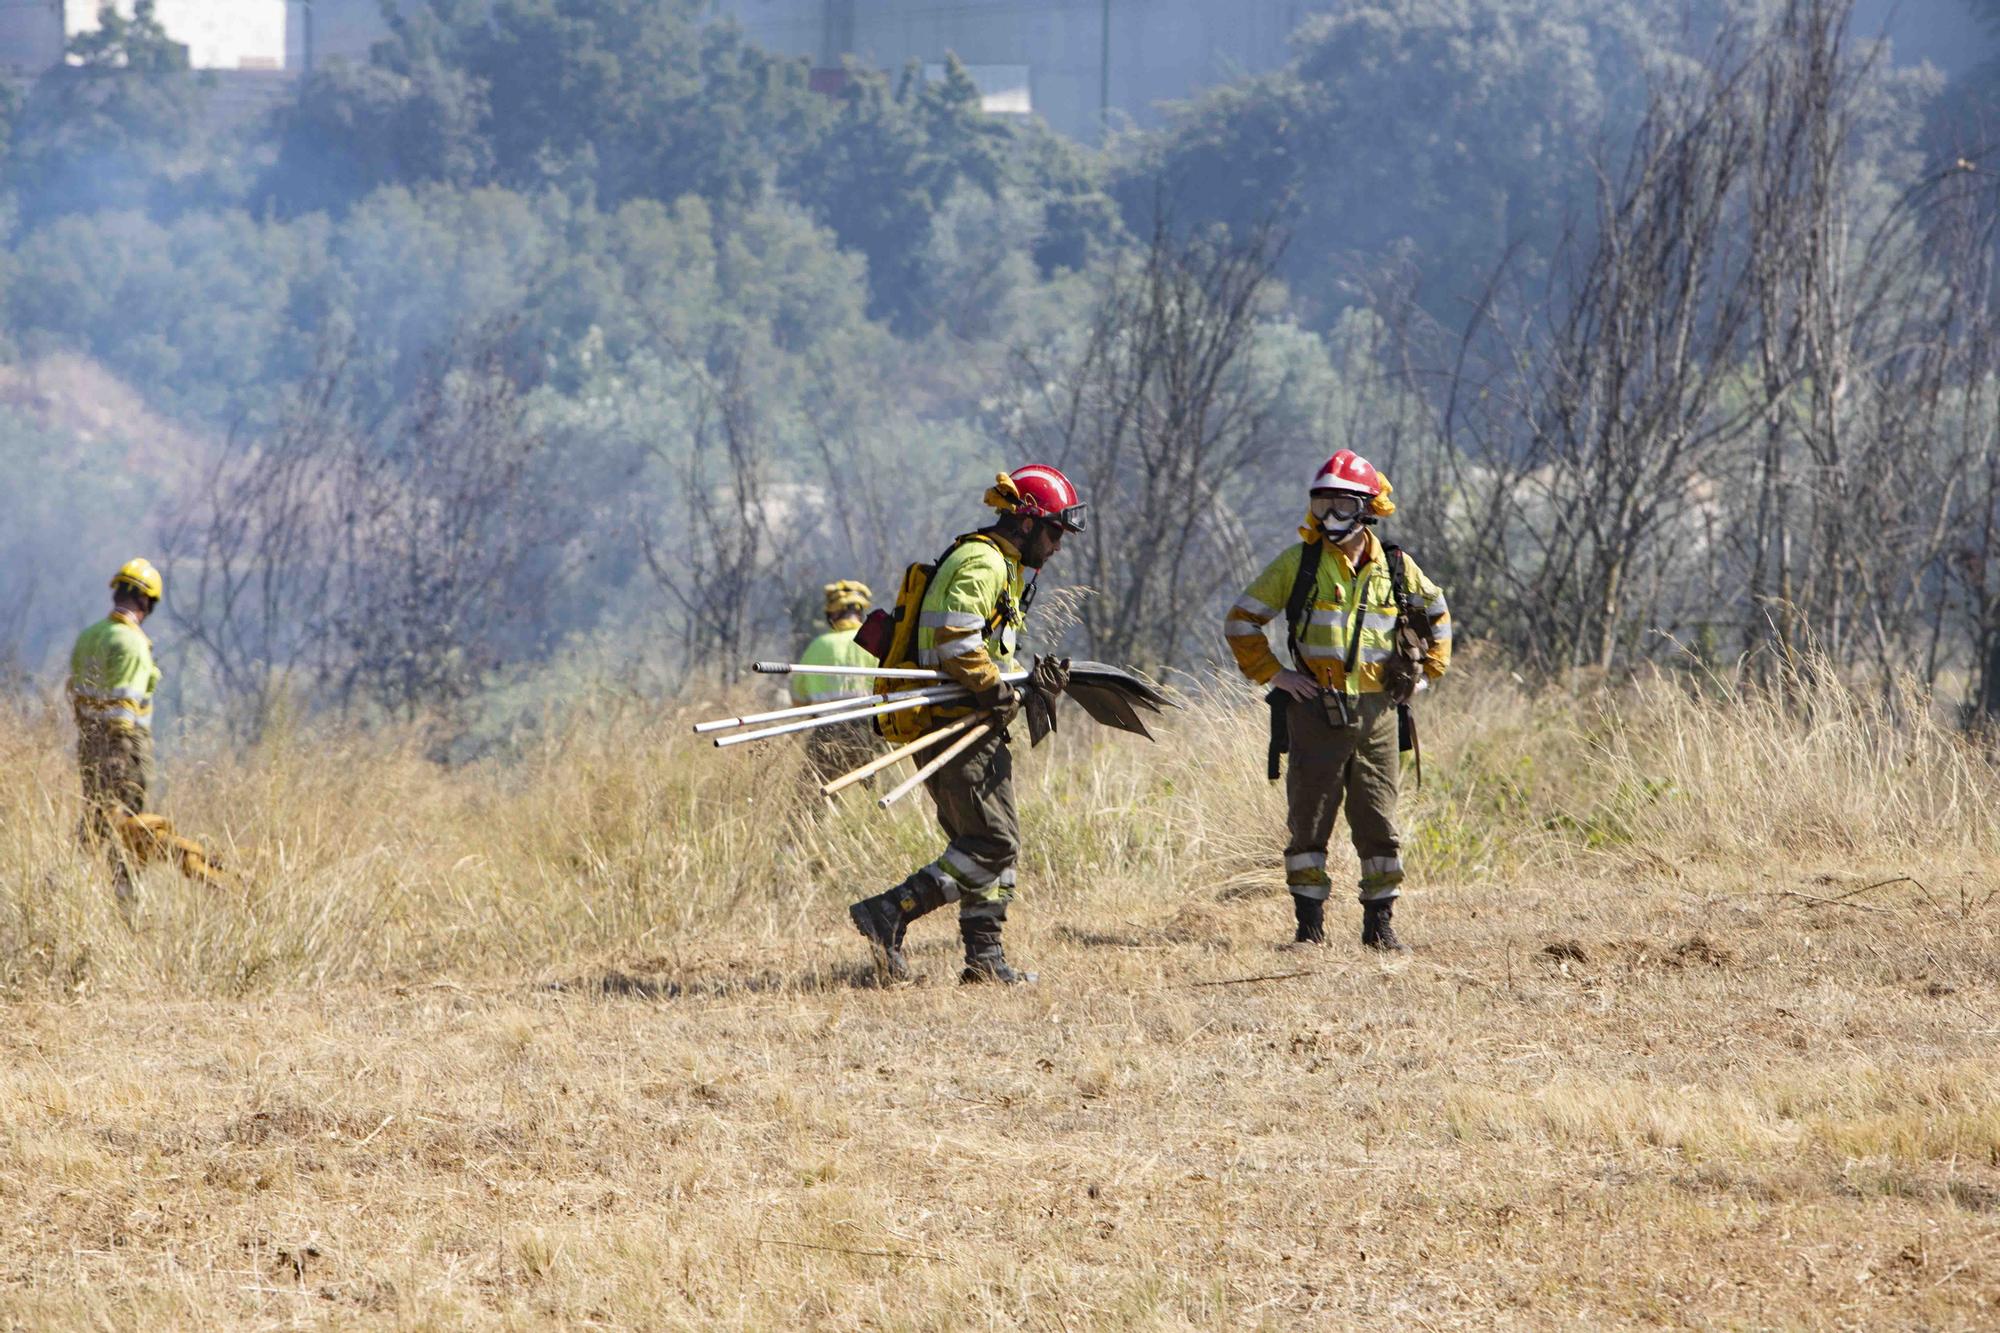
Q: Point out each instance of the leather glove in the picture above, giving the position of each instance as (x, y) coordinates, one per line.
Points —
(1050, 675)
(1000, 697)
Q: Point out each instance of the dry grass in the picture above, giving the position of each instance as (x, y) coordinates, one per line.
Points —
(1700, 1030)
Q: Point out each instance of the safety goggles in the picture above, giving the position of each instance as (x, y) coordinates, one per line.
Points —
(1070, 519)
(1343, 505)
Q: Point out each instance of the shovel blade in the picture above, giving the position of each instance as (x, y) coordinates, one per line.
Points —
(1108, 705)
(1106, 676)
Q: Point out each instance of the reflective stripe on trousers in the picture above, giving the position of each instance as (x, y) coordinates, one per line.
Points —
(1354, 768)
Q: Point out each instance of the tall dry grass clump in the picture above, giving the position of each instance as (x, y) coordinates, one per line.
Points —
(619, 832)
(1697, 1031)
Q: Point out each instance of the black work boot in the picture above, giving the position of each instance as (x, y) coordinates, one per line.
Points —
(1376, 930)
(883, 919)
(984, 959)
(1311, 914)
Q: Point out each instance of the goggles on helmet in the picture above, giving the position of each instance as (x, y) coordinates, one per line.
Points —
(1343, 505)
(1069, 519)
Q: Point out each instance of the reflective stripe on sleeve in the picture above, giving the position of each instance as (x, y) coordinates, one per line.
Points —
(1250, 606)
(971, 643)
(951, 620)
(1242, 629)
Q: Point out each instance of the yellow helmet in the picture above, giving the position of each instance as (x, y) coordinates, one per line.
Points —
(139, 575)
(847, 594)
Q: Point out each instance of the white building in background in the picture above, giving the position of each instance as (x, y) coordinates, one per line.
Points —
(1064, 60)
(219, 34)
(1078, 64)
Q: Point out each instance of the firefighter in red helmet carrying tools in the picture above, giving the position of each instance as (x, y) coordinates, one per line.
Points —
(1366, 631)
(968, 626)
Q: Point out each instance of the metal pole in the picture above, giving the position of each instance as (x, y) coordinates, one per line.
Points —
(825, 706)
(880, 673)
(723, 742)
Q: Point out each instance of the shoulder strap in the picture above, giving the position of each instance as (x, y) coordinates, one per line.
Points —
(1399, 584)
(1362, 578)
(959, 541)
(1303, 583)
(999, 617)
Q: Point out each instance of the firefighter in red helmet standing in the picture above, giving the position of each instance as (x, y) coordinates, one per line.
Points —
(1366, 630)
(971, 619)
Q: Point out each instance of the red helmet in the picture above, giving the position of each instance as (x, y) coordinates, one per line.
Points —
(1047, 493)
(1348, 471)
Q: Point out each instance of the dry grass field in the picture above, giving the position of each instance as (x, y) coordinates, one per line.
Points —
(1701, 1028)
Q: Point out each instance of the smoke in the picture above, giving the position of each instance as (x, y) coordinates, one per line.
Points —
(169, 288)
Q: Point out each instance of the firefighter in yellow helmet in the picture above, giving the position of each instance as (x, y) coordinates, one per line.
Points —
(832, 751)
(1366, 630)
(112, 680)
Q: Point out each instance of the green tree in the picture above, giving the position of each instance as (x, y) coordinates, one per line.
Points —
(105, 131)
(885, 169)
(1068, 183)
(636, 96)
(1962, 121)
(618, 99)
(1447, 131)
(405, 118)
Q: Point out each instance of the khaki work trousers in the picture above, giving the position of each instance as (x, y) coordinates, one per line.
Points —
(116, 764)
(975, 807)
(1329, 762)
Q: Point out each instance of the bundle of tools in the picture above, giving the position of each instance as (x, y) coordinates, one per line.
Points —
(1109, 694)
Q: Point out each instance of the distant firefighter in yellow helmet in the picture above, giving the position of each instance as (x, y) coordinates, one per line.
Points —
(112, 680)
(835, 750)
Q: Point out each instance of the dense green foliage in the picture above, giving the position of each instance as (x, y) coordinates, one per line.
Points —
(107, 132)
(613, 100)
(684, 255)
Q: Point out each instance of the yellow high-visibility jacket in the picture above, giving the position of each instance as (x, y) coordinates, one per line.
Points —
(972, 618)
(836, 647)
(1343, 597)
(111, 674)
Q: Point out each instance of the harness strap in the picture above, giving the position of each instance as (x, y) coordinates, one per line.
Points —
(1303, 583)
